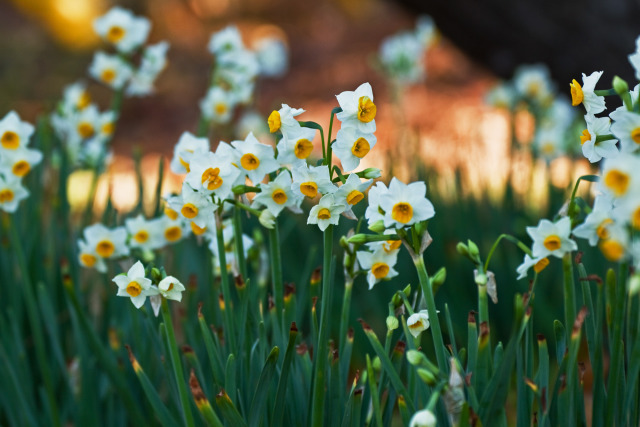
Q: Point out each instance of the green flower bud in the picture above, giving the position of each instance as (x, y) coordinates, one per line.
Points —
(377, 365)
(343, 242)
(438, 279)
(620, 86)
(462, 249)
(416, 358)
(427, 377)
(156, 275)
(392, 323)
(377, 227)
(474, 252)
(371, 173)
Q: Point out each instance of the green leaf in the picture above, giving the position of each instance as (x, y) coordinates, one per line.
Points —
(262, 389)
(228, 409)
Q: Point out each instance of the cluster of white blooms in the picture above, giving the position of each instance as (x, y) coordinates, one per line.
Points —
(79, 123)
(135, 285)
(16, 160)
(235, 72)
(531, 87)
(403, 55)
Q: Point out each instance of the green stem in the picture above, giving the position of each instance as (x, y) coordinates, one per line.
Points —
(317, 409)
(344, 318)
(569, 291)
(229, 330)
(276, 272)
(238, 244)
(436, 332)
(177, 364)
(510, 238)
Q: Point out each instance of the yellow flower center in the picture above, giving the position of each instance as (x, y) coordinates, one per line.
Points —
(212, 178)
(189, 210)
(85, 130)
(6, 195)
(108, 75)
(402, 212)
(274, 121)
(602, 231)
(617, 181)
(105, 248)
(108, 128)
(279, 196)
(21, 168)
(88, 260)
(552, 242)
(134, 289)
(197, 230)
(635, 135)
(635, 219)
(170, 288)
(173, 233)
(141, 236)
(10, 140)
(366, 109)
(586, 136)
(612, 250)
(171, 213)
(249, 162)
(115, 34)
(184, 164)
(380, 270)
(354, 197)
(391, 245)
(577, 96)
(83, 100)
(220, 108)
(417, 325)
(303, 148)
(360, 148)
(541, 265)
(324, 213)
(309, 189)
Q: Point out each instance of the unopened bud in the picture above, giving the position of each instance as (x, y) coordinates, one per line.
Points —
(462, 249)
(343, 242)
(474, 252)
(392, 323)
(267, 219)
(156, 275)
(438, 279)
(371, 173)
(377, 364)
(427, 377)
(634, 284)
(416, 358)
(377, 227)
(620, 86)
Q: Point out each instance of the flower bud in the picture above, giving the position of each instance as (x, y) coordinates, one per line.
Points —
(620, 86)
(156, 275)
(371, 173)
(462, 249)
(634, 284)
(377, 364)
(377, 227)
(438, 279)
(344, 243)
(427, 377)
(474, 252)
(392, 323)
(267, 219)
(416, 358)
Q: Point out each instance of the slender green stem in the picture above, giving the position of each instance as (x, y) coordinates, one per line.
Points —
(317, 409)
(510, 238)
(229, 330)
(436, 332)
(177, 364)
(346, 307)
(237, 242)
(276, 272)
(569, 291)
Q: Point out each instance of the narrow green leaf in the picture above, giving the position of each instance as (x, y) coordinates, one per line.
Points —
(373, 389)
(264, 384)
(278, 411)
(228, 409)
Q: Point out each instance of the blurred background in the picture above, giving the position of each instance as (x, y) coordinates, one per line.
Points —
(441, 130)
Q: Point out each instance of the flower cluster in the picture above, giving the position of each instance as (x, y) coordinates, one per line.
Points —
(402, 55)
(16, 160)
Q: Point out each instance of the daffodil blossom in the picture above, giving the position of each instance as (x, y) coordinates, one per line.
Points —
(351, 193)
(212, 174)
(226, 40)
(75, 97)
(186, 146)
(310, 181)
(501, 96)
(627, 211)
(615, 246)
(194, 206)
(402, 56)
(14, 133)
(549, 141)
(389, 246)
(538, 264)
(256, 159)
(620, 176)
(326, 212)
(418, 322)
(272, 56)
(111, 70)
(171, 288)
(278, 195)
(405, 204)
(534, 82)
(296, 146)
(154, 60)
(634, 59)
(551, 238)
(379, 265)
(351, 146)
(18, 163)
(358, 109)
(145, 234)
(585, 93)
(173, 230)
(88, 257)
(123, 29)
(596, 224)
(283, 119)
(107, 243)
(594, 151)
(374, 212)
(135, 285)
(627, 129)
(84, 123)
(218, 105)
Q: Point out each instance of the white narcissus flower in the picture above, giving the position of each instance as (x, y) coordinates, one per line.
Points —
(551, 238)
(75, 97)
(145, 234)
(596, 224)
(218, 105)
(267, 219)
(310, 180)
(549, 141)
(123, 29)
(351, 192)
(501, 96)
(592, 150)
(402, 56)
(283, 119)
(186, 146)
(374, 212)
(423, 418)
(585, 94)
(272, 56)
(538, 264)
(226, 40)
(107, 243)
(379, 265)
(111, 70)
(296, 146)
(14, 133)
(326, 212)
(88, 257)
(18, 163)
(627, 211)
(351, 146)
(154, 60)
(418, 322)
(627, 129)
(615, 246)
(194, 206)
(84, 123)
(256, 159)
(634, 59)
(358, 109)
(212, 174)
(533, 81)
(621, 176)
(171, 288)
(405, 204)
(135, 285)
(173, 230)
(278, 195)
